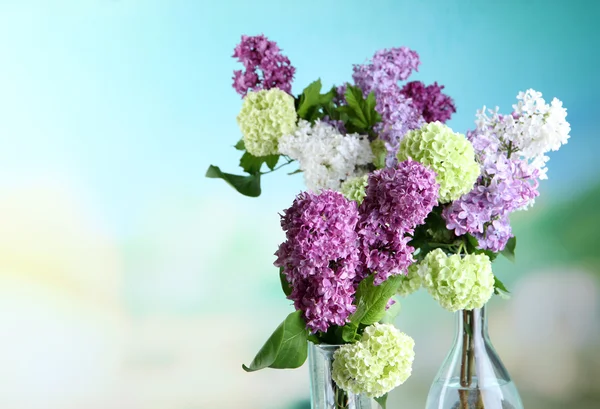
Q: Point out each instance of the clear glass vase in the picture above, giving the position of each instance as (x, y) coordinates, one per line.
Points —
(472, 375)
(324, 393)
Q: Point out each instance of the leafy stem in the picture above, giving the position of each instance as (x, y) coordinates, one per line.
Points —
(510, 149)
(289, 160)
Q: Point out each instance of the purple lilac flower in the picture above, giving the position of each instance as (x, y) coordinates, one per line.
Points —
(320, 257)
(384, 252)
(257, 53)
(397, 200)
(337, 124)
(469, 213)
(506, 185)
(398, 116)
(381, 75)
(497, 234)
(387, 67)
(429, 101)
(340, 93)
(401, 196)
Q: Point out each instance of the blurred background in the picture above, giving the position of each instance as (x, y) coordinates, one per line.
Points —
(128, 280)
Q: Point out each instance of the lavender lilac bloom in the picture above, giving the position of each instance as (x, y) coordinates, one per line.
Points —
(398, 116)
(506, 184)
(386, 68)
(320, 257)
(257, 53)
(397, 200)
(511, 150)
(381, 76)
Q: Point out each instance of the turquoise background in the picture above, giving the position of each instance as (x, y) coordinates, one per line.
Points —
(114, 244)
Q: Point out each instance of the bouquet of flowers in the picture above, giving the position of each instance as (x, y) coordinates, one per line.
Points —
(395, 201)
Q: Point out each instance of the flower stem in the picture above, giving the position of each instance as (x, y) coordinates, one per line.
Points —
(467, 364)
(479, 400)
(289, 160)
(341, 397)
(464, 365)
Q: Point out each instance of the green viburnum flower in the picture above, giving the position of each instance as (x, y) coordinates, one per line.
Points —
(457, 282)
(266, 116)
(379, 362)
(411, 282)
(448, 153)
(354, 188)
(379, 152)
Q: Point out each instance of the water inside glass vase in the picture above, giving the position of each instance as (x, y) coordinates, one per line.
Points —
(472, 375)
(325, 394)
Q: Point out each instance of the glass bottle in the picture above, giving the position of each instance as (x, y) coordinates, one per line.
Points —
(472, 375)
(324, 393)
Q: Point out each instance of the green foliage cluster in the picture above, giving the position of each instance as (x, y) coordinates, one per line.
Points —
(357, 113)
(371, 302)
(287, 347)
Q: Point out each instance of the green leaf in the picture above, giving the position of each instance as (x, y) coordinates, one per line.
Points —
(500, 289)
(271, 161)
(326, 100)
(240, 146)
(349, 332)
(285, 286)
(361, 112)
(246, 185)
(382, 400)
(296, 171)
(509, 249)
(286, 348)
(334, 335)
(312, 105)
(491, 255)
(371, 301)
(310, 101)
(252, 164)
(391, 313)
(473, 243)
(369, 108)
(355, 101)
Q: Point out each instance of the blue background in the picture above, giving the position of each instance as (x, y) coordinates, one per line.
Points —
(115, 245)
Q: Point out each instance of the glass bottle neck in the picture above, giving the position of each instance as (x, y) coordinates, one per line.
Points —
(472, 322)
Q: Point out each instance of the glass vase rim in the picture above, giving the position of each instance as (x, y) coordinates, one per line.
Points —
(323, 345)
(472, 309)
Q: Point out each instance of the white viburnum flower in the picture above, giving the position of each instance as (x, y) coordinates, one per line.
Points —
(266, 115)
(379, 362)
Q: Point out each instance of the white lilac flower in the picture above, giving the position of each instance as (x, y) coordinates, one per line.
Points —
(540, 127)
(325, 156)
(534, 129)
